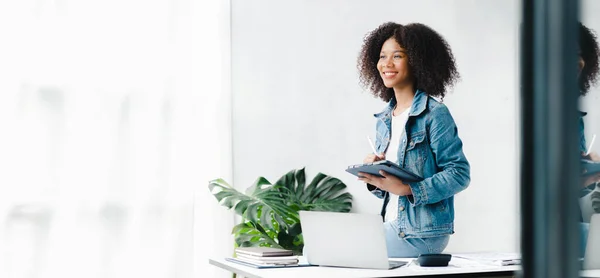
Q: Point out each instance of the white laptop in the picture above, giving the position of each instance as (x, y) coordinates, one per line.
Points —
(592, 249)
(345, 239)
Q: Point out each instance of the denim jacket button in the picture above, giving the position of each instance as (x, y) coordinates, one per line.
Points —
(401, 208)
(402, 234)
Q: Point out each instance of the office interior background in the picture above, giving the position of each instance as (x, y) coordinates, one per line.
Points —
(116, 114)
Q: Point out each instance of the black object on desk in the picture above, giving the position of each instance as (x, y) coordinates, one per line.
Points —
(434, 259)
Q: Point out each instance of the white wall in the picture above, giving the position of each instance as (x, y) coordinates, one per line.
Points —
(211, 66)
(297, 102)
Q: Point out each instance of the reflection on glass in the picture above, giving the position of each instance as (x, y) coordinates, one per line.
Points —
(588, 74)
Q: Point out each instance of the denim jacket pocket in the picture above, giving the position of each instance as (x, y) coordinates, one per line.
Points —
(416, 150)
(439, 214)
(415, 139)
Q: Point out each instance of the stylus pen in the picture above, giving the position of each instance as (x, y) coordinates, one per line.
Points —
(591, 145)
(372, 146)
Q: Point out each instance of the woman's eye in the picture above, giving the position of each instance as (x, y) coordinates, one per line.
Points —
(381, 57)
(397, 56)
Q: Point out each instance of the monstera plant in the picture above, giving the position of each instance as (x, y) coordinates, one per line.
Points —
(270, 211)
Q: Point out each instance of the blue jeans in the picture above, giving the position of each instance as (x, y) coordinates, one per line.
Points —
(398, 247)
(584, 228)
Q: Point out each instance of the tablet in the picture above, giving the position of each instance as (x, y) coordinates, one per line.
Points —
(387, 166)
(590, 167)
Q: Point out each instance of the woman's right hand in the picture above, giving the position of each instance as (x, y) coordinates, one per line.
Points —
(373, 157)
(591, 156)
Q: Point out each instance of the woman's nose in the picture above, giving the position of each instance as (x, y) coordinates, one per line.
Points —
(387, 62)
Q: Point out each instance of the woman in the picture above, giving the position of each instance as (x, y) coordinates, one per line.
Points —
(406, 66)
(588, 75)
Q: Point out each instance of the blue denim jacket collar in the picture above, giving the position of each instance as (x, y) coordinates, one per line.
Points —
(418, 106)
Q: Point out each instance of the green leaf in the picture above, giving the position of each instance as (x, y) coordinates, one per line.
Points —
(279, 222)
(266, 218)
(217, 183)
(240, 227)
(341, 203)
(332, 191)
(255, 237)
(252, 212)
(324, 193)
(242, 206)
(325, 185)
(222, 195)
(257, 186)
(294, 181)
(295, 230)
(285, 239)
(300, 178)
(262, 194)
(310, 189)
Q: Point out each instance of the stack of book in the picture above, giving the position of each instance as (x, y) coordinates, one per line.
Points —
(264, 257)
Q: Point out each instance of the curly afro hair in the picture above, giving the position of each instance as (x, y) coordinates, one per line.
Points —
(430, 59)
(589, 52)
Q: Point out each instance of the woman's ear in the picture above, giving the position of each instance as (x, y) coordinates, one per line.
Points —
(581, 64)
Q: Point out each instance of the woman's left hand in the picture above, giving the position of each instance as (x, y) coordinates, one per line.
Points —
(389, 183)
(594, 178)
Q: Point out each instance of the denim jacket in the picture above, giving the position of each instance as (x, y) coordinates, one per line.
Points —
(431, 148)
(582, 144)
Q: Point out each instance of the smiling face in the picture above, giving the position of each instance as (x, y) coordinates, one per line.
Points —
(393, 65)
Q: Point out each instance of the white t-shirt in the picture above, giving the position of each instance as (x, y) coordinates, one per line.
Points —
(391, 154)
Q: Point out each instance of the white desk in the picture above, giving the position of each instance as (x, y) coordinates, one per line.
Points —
(590, 273)
(457, 268)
